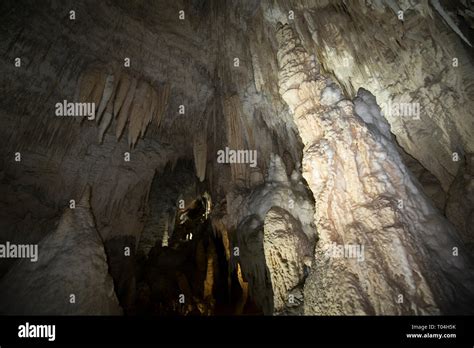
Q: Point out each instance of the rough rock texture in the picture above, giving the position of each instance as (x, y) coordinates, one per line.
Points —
(287, 252)
(173, 185)
(122, 98)
(422, 61)
(347, 171)
(251, 258)
(358, 179)
(246, 214)
(409, 61)
(71, 260)
(460, 202)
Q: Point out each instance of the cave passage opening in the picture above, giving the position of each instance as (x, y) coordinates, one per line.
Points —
(189, 268)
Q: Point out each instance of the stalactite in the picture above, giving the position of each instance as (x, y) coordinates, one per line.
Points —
(133, 102)
(149, 109)
(162, 99)
(449, 21)
(235, 132)
(123, 86)
(98, 90)
(277, 101)
(87, 84)
(122, 117)
(140, 105)
(200, 154)
(106, 120)
(107, 94)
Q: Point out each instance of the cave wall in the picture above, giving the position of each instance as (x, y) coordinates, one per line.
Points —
(282, 78)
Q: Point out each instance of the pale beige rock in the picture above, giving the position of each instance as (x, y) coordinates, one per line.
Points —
(123, 116)
(138, 110)
(88, 85)
(98, 90)
(358, 180)
(200, 154)
(124, 84)
(286, 248)
(106, 121)
(236, 136)
(107, 94)
(355, 177)
(405, 65)
(148, 107)
(163, 99)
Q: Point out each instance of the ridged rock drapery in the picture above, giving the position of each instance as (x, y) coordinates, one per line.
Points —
(121, 97)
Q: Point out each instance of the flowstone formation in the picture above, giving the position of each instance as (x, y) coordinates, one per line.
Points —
(353, 168)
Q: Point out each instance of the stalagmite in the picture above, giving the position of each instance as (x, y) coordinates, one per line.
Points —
(286, 248)
(358, 181)
(417, 68)
(71, 260)
(323, 142)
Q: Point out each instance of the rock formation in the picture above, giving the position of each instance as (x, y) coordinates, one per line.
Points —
(71, 274)
(351, 166)
(280, 157)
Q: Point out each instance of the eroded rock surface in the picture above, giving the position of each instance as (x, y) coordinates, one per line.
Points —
(366, 197)
(70, 276)
(308, 88)
(288, 256)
